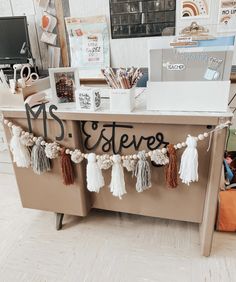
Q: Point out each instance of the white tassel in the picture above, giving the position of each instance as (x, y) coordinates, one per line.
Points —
(21, 155)
(117, 185)
(189, 162)
(95, 180)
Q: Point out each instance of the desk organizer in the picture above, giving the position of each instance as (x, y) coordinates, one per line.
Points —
(88, 99)
(122, 100)
(189, 78)
(7, 99)
(209, 96)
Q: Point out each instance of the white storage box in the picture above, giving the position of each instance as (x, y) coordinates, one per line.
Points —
(210, 96)
(122, 100)
(88, 99)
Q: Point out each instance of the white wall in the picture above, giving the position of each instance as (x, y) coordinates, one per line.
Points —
(132, 52)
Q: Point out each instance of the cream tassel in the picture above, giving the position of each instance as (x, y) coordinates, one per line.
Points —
(117, 185)
(189, 162)
(21, 155)
(143, 173)
(95, 180)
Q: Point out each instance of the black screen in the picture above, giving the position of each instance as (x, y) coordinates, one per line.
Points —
(13, 34)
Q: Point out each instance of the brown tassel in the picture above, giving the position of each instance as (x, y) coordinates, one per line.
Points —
(67, 168)
(171, 168)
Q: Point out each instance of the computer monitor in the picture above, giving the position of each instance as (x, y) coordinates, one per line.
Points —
(14, 40)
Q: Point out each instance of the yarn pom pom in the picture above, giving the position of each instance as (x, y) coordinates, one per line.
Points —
(104, 162)
(76, 156)
(51, 150)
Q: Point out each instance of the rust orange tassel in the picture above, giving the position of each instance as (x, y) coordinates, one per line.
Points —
(171, 169)
(67, 168)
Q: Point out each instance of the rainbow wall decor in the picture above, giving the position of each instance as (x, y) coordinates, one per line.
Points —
(195, 8)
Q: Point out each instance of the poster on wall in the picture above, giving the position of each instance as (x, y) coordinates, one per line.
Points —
(89, 45)
(92, 47)
(227, 16)
(195, 8)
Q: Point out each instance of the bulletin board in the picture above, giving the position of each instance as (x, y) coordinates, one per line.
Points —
(132, 18)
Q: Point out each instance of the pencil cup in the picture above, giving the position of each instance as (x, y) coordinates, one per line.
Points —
(88, 99)
(122, 100)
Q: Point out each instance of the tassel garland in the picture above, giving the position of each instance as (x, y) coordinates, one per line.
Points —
(171, 169)
(40, 162)
(95, 180)
(21, 155)
(67, 168)
(117, 185)
(143, 173)
(189, 162)
(28, 149)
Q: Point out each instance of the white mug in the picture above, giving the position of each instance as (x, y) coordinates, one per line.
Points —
(211, 74)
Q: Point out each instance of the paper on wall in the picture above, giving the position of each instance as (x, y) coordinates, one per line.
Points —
(43, 4)
(92, 49)
(227, 16)
(48, 22)
(54, 55)
(49, 38)
(22, 7)
(89, 45)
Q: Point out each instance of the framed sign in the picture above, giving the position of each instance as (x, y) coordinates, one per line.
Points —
(64, 82)
(142, 18)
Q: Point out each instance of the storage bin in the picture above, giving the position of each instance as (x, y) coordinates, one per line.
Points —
(203, 96)
(88, 99)
(122, 100)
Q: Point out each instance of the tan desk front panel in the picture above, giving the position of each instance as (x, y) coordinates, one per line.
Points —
(47, 192)
(183, 203)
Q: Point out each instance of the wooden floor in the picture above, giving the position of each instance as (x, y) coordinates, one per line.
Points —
(105, 246)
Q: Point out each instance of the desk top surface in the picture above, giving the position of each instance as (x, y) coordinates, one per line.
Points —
(139, 115)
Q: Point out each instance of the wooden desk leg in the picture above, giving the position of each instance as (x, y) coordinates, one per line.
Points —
(210, 206)
(59, 219)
